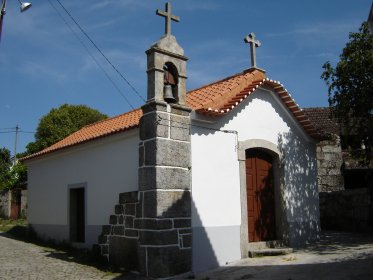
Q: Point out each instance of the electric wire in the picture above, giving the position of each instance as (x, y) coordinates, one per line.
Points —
(14, 131)
(99, 50)
(8, 128)
(91, 55)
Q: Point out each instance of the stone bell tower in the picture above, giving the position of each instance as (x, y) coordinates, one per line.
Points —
(164, 161)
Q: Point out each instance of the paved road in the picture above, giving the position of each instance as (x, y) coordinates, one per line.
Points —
(336, 256)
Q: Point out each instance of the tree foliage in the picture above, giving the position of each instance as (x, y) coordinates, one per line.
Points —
(5, 166)
(350, 88)
(11, 176)
(61, 122)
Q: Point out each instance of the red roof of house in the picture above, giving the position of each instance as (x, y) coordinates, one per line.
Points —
(323, 120)
(215, 99)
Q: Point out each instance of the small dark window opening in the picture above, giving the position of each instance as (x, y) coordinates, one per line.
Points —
(77, 215)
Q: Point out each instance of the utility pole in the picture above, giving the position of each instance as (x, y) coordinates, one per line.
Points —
(15, 146)
(23, 7)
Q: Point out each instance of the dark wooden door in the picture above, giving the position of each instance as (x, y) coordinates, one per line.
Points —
(260, 196)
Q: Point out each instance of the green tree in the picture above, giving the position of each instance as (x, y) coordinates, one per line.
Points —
(61, 122)
(11, 176)
(350, 89)
(5, 166)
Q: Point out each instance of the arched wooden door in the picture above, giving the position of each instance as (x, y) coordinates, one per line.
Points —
(260, 196)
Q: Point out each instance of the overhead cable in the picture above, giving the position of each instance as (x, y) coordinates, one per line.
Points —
(91, 55)
(99, 50)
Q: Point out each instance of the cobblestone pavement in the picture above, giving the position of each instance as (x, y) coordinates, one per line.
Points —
(26, 261)
(336, 256)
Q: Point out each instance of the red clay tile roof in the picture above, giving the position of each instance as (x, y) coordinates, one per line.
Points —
(220, 93)
(221, 97)
(323, 121)
(96, 130)
(214, 99)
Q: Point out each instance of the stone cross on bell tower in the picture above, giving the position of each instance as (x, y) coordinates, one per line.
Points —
(168, 18)
(253, 45)
(165, 232)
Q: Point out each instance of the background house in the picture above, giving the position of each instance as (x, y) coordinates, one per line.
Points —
(345, 186)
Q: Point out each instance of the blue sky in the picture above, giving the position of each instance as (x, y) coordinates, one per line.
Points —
(43, 65)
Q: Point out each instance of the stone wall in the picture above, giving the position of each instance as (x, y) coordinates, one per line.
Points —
(4, 204)
(348, 210)
(24, 203)
(128, 230)
(329, 162)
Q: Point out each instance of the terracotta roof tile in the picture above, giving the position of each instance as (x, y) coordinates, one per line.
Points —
(96, 130)
(323, 121)
(215, 99)
(219, 93)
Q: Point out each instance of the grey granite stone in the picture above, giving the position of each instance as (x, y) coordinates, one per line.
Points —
(130, 209)
(123, 252)
(118, 209)
(154, 124)
(167, 153)
(180, 128)
(153, 223)
(165, 237)
(106, 229)
(182, 223)
(167, 204)
(113, 219)
(164, 178)
(168, 261)
(128, 197)
(118, 230)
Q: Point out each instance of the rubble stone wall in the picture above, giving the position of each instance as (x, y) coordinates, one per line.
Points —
(348, 210)
(329, 162)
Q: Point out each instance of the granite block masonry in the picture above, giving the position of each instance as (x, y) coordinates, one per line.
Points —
(151, 229)
(164, 186)
(164, 167)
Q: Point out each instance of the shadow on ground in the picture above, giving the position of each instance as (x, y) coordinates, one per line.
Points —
(337, 255)
(352, 269)
(335, 242)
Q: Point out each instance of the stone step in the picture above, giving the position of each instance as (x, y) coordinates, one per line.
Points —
(270, 252)
(266, 244)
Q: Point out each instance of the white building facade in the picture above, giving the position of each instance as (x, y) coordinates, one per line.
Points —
(188, 181)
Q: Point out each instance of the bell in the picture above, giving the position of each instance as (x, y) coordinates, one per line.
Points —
(168, 96)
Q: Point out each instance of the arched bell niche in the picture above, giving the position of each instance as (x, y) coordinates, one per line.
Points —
(170, 81)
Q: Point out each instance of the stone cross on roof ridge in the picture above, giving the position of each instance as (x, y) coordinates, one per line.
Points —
(168, 18)
(253, 45)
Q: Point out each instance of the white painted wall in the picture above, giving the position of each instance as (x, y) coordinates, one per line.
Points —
(107, 167)
(216, 178)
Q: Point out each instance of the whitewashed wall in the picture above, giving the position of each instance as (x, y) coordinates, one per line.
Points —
(106, 167)
(216, 208)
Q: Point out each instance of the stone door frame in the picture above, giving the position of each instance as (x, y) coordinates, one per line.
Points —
(273, 150)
